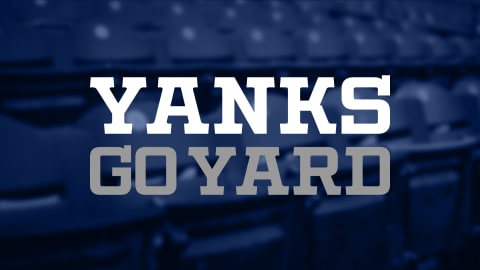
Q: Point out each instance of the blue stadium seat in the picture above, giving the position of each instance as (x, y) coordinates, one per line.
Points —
(468, 91)
(469, 85)
(282, 16)
(32, 176)
(230, 17)
(368, 43)
(466, 47)
(193, 43)
(107, 45)
(326, 42)
(136, 13)
(440, 49)
(410, 47)
(178, 12)
(438, 171)
(262, 44)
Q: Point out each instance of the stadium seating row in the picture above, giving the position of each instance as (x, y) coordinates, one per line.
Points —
(428, 213)
(49, 218)
(170, 35)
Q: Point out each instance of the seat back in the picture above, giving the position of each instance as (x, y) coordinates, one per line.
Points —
(438, 173)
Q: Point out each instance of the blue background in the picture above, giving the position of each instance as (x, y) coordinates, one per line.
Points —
(50, 120)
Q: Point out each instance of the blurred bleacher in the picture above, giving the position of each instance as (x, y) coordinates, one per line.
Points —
(50, 120)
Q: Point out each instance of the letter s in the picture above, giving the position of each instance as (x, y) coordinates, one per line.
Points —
(381, 106)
